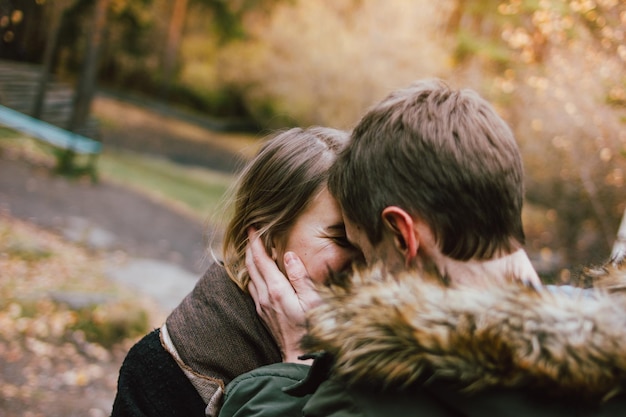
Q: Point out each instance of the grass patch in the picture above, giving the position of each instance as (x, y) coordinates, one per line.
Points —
(26, 252)
(111, 323)
(50, 289)
(198, 191)
(18, 146)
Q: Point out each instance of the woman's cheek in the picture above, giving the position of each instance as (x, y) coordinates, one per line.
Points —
(319, 276)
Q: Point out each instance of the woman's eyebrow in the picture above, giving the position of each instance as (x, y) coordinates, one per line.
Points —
(337, 228)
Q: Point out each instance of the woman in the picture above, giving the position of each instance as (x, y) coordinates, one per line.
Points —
(215, 333)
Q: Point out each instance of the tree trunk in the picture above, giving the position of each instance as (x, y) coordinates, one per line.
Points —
(172, 44)
(454, 21)
(57, 9)
(86, 84)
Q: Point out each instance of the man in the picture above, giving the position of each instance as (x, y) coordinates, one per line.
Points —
(451, 318)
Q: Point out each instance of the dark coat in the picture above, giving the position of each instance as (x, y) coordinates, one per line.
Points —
(151, 383)
(213, 336)
(409, 345)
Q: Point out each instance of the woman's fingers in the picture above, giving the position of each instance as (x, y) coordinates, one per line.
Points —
(261, 267)
(256, 286)
(300, 281)
(280, 303)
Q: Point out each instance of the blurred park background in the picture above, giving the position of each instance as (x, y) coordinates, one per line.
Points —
(233, 71)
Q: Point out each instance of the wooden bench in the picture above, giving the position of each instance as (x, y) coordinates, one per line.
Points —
(68, 142)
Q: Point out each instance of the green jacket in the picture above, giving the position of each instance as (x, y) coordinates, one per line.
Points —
(266, 392)
(412, 346)
(260, 392)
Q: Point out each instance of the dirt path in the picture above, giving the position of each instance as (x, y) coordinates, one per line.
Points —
(113, 218)
(155, 251)
(159, 130)
(162, 252)
(166, 248)
(102, 216)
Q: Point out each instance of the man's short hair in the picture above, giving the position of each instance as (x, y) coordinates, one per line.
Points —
(442, 155)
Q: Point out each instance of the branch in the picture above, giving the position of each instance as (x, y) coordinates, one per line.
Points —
(619, 246)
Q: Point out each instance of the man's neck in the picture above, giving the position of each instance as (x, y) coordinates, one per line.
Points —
(514, 266)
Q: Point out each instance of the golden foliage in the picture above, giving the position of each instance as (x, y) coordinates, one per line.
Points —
(64, 327)
(325, 62)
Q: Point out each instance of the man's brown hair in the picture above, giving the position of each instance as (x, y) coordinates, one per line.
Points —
(442, 155)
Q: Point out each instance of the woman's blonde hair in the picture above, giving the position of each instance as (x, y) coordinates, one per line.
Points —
(275, 187)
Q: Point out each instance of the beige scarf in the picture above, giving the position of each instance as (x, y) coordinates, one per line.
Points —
(215, 335)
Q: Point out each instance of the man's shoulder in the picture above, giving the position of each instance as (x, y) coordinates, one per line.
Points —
(284, 374)
(263, 389)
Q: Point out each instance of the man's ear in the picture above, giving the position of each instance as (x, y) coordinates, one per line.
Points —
(400, 223)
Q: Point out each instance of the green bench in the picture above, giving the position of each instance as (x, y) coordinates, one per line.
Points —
(69, 143)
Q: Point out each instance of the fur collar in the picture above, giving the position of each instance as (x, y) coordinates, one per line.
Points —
(395, 332)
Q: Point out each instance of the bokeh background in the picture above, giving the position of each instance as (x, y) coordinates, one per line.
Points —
(233, 71)
(554, 69)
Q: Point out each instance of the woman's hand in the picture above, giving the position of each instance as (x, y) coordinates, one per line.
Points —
(281, 302)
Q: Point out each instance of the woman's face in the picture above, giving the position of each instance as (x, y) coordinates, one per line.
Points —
(318, 237)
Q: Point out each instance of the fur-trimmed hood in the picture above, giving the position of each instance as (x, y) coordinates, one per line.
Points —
(399, 331)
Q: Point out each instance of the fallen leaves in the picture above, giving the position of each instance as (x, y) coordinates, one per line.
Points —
(64, 327)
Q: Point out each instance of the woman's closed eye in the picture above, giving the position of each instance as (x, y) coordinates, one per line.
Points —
(341, 241)
(337, 234)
